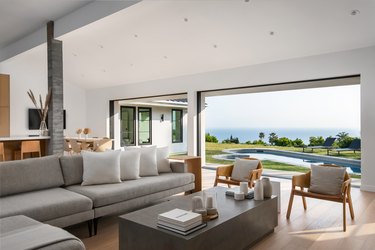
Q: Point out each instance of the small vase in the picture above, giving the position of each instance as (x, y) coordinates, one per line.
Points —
(43, 130)
(258, 191)
(267, 187)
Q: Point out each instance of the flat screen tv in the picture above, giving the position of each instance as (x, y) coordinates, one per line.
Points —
(34, 119)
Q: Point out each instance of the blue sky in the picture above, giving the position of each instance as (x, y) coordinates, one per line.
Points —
(330, 107)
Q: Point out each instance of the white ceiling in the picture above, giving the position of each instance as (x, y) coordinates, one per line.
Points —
(162, 39)
(19, 18)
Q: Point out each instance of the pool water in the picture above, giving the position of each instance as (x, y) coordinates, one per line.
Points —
(296, 161)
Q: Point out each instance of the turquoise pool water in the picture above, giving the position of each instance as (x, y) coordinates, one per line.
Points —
(292, 158)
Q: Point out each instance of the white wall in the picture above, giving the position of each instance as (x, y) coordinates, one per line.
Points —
(360, 61)
(29, 71)
(161, 130)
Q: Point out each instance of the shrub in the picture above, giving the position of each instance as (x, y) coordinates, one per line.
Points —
(316, 141)
(231, 139)
(211, 138)
(345, 142)
(298, 143)
(258, 142)
(283, 142)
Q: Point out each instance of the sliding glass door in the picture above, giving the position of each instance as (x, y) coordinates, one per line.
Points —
(144, 126)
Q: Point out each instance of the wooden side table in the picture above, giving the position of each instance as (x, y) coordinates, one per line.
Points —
(193, 165)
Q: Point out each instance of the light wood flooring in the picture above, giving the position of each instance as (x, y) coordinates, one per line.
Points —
(320, 227)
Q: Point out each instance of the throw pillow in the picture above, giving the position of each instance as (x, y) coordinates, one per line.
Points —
(242, 168)
(101, 167)
(148, 162)
(326, 180)
(162, 160)
(129, 164)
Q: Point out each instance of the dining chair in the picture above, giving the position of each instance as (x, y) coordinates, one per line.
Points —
(67, 147)
(76, 148)
(2, 152)
(103, 145)
(30, 147)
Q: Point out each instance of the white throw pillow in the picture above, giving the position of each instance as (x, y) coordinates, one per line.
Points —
(326, 180)
(101, 167)
(129, 164)
(148, 162)
(162, 160)
(242, 168)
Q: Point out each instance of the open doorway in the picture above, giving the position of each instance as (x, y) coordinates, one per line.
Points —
(160, 121)
(265, 122)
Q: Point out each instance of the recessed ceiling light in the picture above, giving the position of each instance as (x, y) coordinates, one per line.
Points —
(186, 19)
(272, 33)
(74, 54)
(215, 46)
(246, 1)
(104, 70)
(135, 35)
(165, 57)
(355, 12)
(101, 46)
(131, 65)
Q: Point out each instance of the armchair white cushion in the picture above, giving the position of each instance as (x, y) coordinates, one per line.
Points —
(242, 169)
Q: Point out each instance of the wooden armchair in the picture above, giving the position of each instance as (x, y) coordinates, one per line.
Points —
(303, 181)
(226, 172)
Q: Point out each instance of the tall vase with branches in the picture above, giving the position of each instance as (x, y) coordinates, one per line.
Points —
(42, 110)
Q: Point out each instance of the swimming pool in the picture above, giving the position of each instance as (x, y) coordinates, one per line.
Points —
(292, 158)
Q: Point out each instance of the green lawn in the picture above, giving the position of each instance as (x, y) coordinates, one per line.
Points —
(217, 148)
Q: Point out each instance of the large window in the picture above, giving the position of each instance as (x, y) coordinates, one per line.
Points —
(177, 130)
(127, 126)
(144, 126)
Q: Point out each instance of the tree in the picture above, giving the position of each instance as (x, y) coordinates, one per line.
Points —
(283, 142)
(316, 141)
(272, 138)
(211, 138)
(261, 136)
(342, 135)
(298, 143)
(231, 140)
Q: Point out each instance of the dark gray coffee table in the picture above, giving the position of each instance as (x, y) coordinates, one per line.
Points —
(240, 225)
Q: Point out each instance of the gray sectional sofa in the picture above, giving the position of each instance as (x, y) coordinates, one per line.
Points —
(49, 190)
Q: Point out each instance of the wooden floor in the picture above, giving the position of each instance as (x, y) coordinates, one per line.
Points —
(320, 227)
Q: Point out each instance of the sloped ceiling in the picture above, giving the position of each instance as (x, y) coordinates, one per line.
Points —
(164, 38)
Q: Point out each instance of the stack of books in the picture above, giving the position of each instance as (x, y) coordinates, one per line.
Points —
(231, 191)
(180, 221)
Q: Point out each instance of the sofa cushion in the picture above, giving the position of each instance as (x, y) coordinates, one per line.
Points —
(148, 163)
(44, 205)
(107, 194)
(30, 175)
(101, 167)
(72, 169)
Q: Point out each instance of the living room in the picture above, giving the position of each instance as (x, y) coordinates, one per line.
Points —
(127, 50)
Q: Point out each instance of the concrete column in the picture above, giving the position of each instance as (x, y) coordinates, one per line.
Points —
(192, 123)
(55, 83)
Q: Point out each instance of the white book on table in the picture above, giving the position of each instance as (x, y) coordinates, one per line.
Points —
(180, 217)
(180, 228)
(184, 232)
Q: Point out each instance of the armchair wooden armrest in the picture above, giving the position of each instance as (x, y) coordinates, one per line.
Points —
(254, 175)
(346, 186)
(224, 170)
(302, 180)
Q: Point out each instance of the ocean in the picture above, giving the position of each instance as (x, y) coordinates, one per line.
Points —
(251, 134)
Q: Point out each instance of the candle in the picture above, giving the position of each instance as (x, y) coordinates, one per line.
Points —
(239, 196)
(244, 187)
(209, 202)
(197, 203)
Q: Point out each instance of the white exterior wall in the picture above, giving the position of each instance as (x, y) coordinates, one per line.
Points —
(29, 71)
(161, 131)
(359, 61)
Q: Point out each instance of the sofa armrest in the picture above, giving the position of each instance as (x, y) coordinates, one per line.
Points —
(178, 167)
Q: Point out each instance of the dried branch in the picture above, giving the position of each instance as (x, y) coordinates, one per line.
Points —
(32, 97)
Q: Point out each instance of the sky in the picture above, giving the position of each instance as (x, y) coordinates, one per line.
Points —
(330, 107)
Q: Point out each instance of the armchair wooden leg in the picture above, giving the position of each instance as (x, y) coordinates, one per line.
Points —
(290, 204)
(344, 214)
(351, 206)
(304, 200)
(215, 183)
